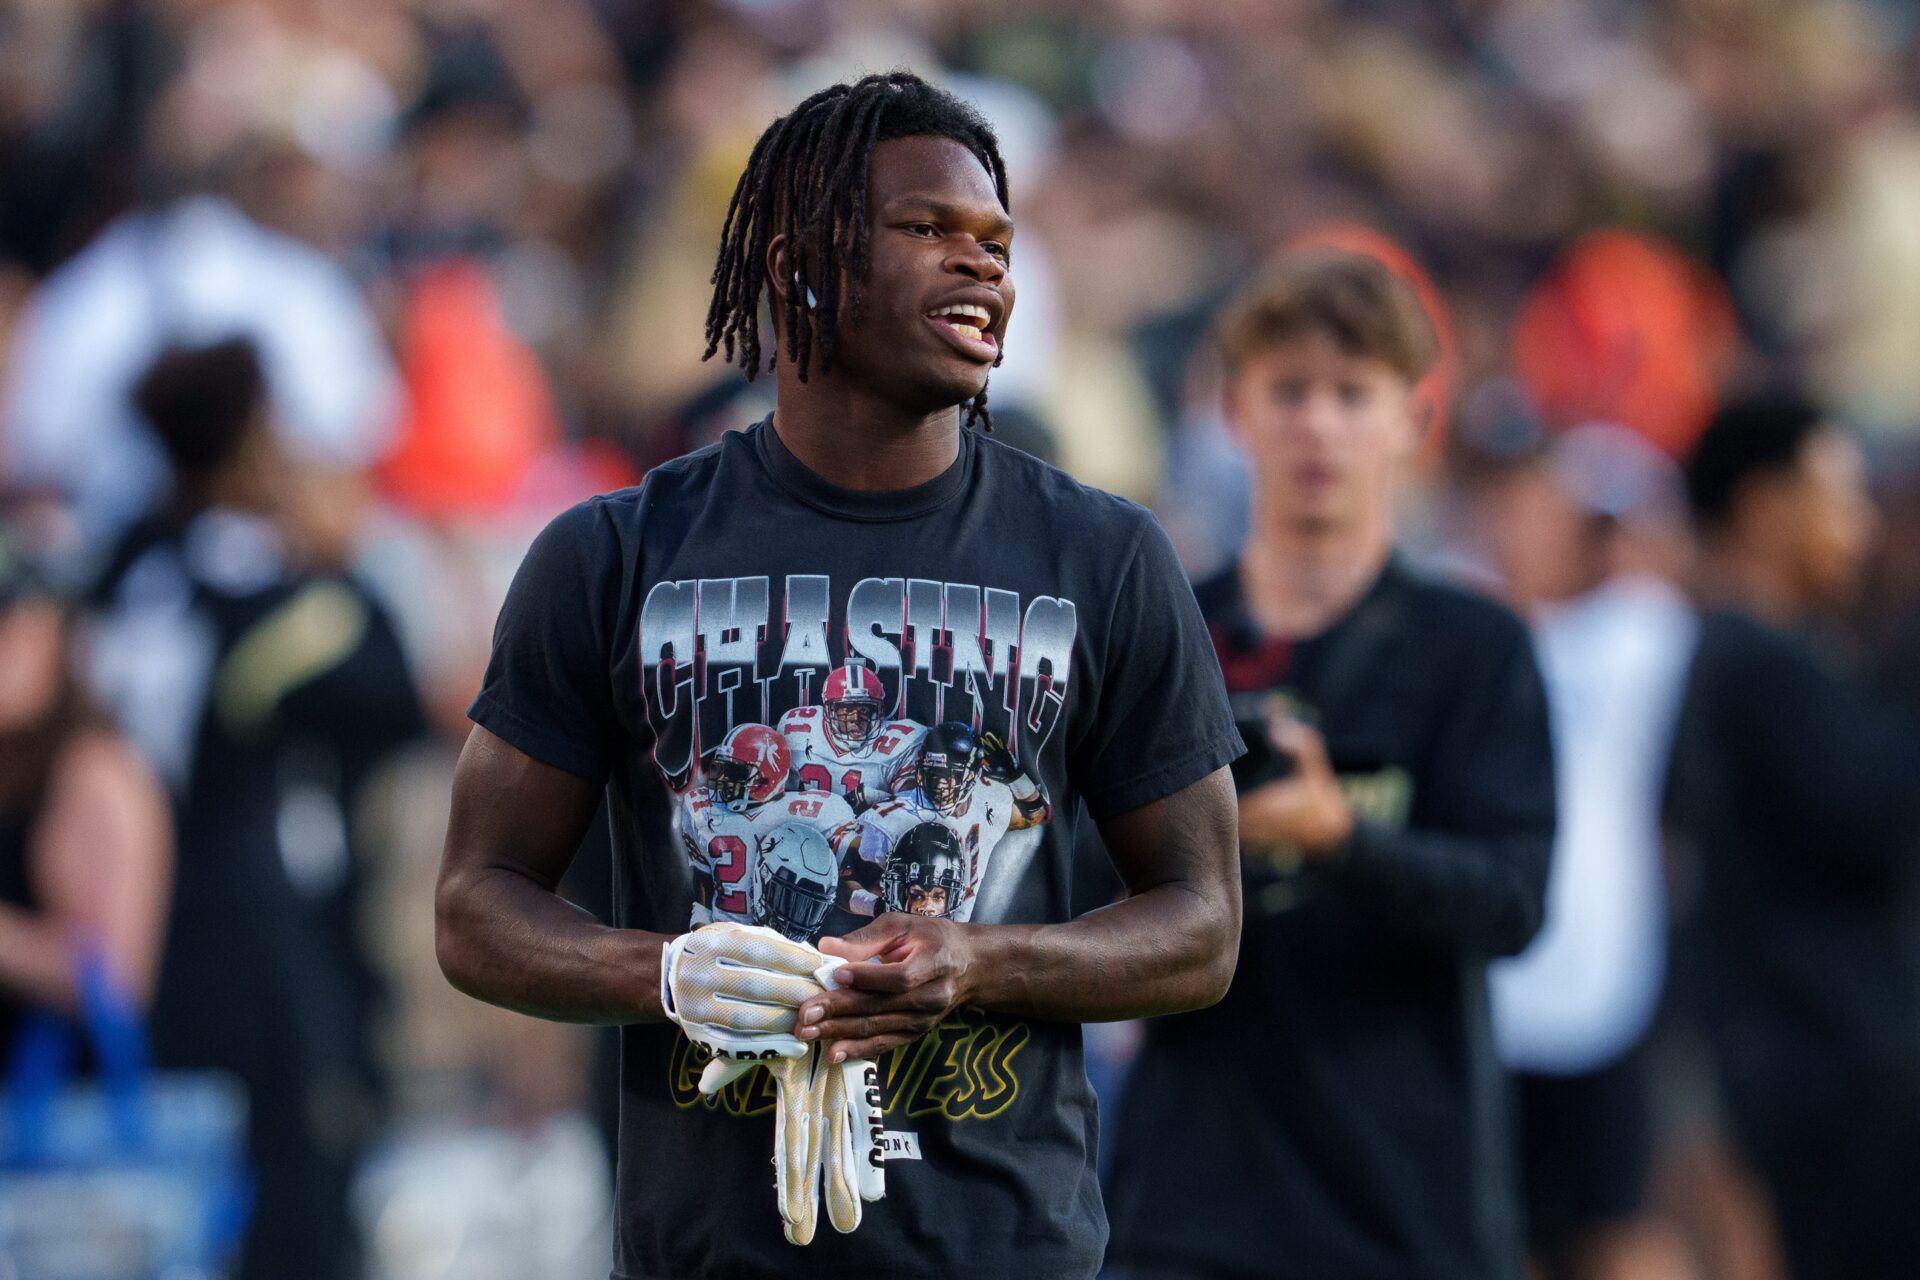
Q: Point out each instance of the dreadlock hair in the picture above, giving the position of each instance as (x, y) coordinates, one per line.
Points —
(807, 180)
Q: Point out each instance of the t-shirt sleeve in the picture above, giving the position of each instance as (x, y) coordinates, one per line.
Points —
(549, 688)
(1162, 722)
(1473, 873)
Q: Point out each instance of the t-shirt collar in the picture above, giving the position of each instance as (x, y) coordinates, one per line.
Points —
(805, 484)
(1234, 614)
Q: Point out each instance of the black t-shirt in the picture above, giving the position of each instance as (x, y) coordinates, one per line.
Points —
(1796, 793)
(785, 684)
(1352, 1126)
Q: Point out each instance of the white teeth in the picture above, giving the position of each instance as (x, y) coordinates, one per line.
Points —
(979, 315)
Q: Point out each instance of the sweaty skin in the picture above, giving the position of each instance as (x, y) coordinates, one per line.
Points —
(502, 932)
(886, 416)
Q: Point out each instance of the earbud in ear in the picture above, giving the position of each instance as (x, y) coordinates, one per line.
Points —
(812, 301)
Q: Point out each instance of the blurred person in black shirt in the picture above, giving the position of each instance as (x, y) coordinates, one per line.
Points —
(1341, 1113)
(1796, 790)
(264, 683)
(86, 842)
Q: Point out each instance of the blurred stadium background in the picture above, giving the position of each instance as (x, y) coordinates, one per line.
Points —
(471, 241)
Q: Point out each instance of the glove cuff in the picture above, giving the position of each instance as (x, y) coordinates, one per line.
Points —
(669, 954)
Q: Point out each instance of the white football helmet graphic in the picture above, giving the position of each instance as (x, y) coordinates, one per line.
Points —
(794, 881)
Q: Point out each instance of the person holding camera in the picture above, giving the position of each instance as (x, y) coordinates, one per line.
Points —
(1341, 1114)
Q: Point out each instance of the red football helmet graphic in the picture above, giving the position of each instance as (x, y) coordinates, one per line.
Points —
(852, 697)
(749, 767)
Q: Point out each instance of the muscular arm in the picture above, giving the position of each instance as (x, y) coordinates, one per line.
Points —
(1170, 945)
(502, 932)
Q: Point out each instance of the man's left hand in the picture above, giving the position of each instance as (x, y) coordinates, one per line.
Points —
(906, 973)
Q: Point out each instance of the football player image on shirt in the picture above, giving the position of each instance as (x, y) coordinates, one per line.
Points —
(795, 877)
(968, 783)
(846, 744)
(729, 826)
(926, 874)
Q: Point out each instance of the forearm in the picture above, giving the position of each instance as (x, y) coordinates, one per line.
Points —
(504, 938)
(1170, 945)
(1269, 825)
(1481, 894)
(1164, 950)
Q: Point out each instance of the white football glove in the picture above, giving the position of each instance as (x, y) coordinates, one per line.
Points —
(851, 1132)
(796, 1142)
(826, 1136)
(733, 988)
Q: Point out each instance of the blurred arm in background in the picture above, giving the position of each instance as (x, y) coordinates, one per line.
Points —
(1480, 889)
(99, 861)
(86, 839)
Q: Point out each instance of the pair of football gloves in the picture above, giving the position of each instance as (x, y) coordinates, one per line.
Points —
(733, 989)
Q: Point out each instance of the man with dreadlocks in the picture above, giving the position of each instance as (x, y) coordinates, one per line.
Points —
(869, 522)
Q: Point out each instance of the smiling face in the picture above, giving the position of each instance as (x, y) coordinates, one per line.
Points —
(938, 289)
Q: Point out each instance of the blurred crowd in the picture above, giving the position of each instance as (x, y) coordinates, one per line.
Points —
(312, 312)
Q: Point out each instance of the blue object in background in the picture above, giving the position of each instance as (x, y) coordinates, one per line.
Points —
(127, 1176)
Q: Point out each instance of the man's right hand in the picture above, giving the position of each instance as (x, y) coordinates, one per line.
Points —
(733, 988)
(1304, 813)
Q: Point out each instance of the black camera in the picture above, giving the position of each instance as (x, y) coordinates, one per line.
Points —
(1264, 761)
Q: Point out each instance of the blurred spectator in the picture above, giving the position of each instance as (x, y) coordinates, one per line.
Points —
(1340, 1113)
(86, 842)
(1626, 329)
(264, 684)
(1572, 1011)
(1794, 787)
(185, 273)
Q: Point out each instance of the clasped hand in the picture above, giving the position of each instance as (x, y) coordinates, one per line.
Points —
(904, 974)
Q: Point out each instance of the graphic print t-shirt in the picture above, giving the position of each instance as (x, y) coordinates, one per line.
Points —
(811, 705)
